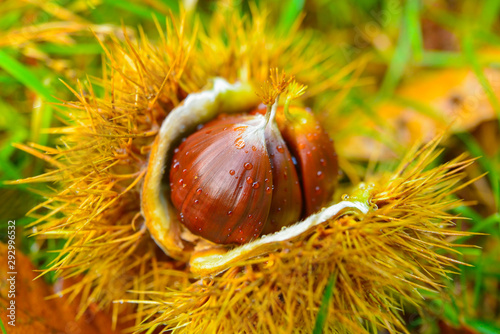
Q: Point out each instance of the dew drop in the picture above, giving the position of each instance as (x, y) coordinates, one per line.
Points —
(250, 216)
(302, 146)
(181, 182)
(208, 132)
(269, 190)
(249, 180)
(196, 201)
(248, 166)
(318, 190)
(239, 143)
(345, 197)
(176, 151)
(255, 185)
(198, 191)
(232, 172)
(320, 175)
(322, 162)
(184, 171)
(176, 166)
(254, 148)
(229, 213)
(280, 149)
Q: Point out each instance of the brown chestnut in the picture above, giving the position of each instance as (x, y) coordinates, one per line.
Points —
(234, 179)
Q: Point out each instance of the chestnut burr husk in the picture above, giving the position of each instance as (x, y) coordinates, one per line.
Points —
(235, 179)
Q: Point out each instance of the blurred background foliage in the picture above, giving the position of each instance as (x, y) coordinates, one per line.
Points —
(418, 65)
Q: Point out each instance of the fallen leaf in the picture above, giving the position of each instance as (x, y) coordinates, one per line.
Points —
(36, 314)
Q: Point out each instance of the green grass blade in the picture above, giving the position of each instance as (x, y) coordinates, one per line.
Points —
(471, 57)
(3, 327)
(478, 282)
(417, 40)
(136, 9)
(484, 327)
(468, 212)
(485, 163)
(25, 76)
(402, 55)
(489, 13)
(325, 303)
(442, 59)
(72, 50)
(40, 120)
(172, 4)
(290, 13)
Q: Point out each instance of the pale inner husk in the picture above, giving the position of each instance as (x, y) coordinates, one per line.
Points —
(160, 216)
(210, 263)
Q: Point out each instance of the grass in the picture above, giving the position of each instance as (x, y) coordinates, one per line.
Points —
(325, 304)
(29, 73)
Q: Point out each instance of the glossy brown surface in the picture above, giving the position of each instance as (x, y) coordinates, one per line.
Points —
(218, 181)
(315, 154)
(235, 178)
(286, 205)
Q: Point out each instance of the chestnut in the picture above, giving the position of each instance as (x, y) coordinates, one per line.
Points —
(234, 179)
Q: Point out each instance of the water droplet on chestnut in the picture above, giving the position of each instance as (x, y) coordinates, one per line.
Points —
(239, 143)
